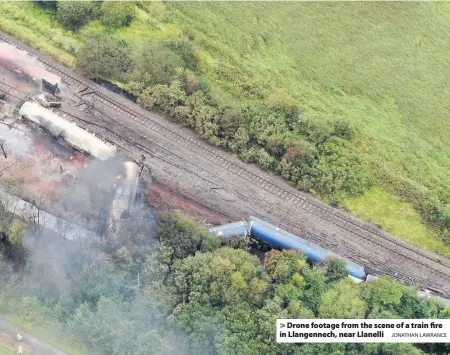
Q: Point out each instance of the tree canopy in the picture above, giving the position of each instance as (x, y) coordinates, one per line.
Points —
(193, 294)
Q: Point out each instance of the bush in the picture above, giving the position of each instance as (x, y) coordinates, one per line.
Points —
(336, 270)
(154, 64)
(240, 140)
(229, 122)
(275, 145)
(298, 151)
(46, 4)
(103, 56)
(116, 14)
(190, 82)
(163, 97)
(74, 14)
(185, 49)
(260, 157)
(184, 237)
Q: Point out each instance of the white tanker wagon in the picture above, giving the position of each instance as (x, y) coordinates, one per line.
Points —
(125, 195)
(73, 135)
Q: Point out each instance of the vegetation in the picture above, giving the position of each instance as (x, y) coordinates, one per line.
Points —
(73, 14)
(116, 14)
(191, 294)
(103, 56)
(381, 206)
(254, 78)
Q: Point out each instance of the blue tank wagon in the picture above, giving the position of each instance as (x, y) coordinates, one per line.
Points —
(281, 239)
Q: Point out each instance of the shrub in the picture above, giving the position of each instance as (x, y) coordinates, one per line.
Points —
(154, 64)
(116, 14)
(260, 157)
(74, 14)
(275, 145)
(103, 55)
(163, 97)
(336, 270)
(185, 49)
(185, 237)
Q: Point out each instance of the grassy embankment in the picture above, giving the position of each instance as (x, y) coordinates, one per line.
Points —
(43, 322)
(383, 67)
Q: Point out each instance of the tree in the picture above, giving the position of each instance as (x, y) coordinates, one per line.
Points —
(225, 276)
(383, 349)
(99, 278)
(281, 266)
(229, 122)
(16, 234)
(184, 237)
(47, 4)
(383, 293)
(185, 49)
(275, 145)
(315, 289)
(336, 270)
(343, 300)
(116, 14)
(117, 327)
(74, 14)
(260, 157)
(103, 55)
(240, 140)
(165, 98)
(154, 64)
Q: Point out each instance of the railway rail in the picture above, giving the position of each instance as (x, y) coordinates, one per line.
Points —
(146, 148)
(367, 233)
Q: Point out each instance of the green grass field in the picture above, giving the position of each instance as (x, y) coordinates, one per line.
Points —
(396, 217)
(386, 71)
(6, 350)
(382, 66)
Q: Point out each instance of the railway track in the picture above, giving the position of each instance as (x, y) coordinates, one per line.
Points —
(311, 236)
(367, 233)
(145, 146)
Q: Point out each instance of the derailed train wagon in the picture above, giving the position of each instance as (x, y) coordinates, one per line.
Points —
(125, 196)
(229, 230)
(75, 136)
(29, 68)
(281, 239)
(126, 190)
(278, 238)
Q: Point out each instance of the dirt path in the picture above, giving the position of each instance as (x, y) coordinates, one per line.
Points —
(30, 344)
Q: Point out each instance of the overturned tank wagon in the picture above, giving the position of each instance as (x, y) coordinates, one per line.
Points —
(281, 239)
(125, 196)
(73, 135)
(230, 230)
(29, 68)
(127, 189)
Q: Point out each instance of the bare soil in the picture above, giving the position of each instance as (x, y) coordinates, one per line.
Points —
(163, 200)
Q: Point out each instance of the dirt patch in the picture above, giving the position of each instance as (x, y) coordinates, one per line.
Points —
(163, 200)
